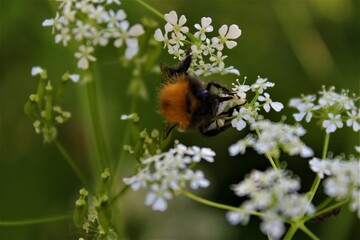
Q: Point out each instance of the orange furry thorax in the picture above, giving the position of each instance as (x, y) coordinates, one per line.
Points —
(173, 102)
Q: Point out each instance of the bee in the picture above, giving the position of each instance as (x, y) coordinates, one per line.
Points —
(187, 103)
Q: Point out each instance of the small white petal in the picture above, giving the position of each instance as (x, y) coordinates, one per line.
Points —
(36, 71)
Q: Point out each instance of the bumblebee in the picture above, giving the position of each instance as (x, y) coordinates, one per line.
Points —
(187, 103)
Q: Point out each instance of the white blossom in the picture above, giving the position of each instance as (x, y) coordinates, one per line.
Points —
(174, 24)
(274, 193)
(226, 33)
(168, 172)
(332, 123)
(320, 167)
(36, 71)
(261, 84)
(204, 59)
(277, 106)
(158, 197)
(84, 56)
(274, 137)
(203, 28)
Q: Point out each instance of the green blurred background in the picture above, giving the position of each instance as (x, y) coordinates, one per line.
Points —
(300, 45)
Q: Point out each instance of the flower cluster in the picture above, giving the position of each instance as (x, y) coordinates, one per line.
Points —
(248, 113)
(274, 194)
(167, 173)
(271, 138)
(93, 23)
(332, 108)
(343, 179)
(44, 108)
(207, 53)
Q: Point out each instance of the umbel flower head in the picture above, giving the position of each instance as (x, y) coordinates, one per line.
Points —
(342, 181)
(208, 57)
(92, 24)
(274, 194)
(334, 110)
(167, 173)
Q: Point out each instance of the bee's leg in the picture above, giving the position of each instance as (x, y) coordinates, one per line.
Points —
(167, 130)
(213, 132)
(219, 86)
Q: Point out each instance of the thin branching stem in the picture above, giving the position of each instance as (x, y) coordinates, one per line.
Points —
(73, 165)
(35, 220)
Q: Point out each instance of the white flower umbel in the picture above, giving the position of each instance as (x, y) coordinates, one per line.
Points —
(94, 23)
(208, 57)
(332, 109)
(343, 179)
(274, 194)
(169, 172)
(273, 137)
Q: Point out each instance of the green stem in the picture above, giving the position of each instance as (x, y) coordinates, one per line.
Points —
(308, 232)
(219, 205)
(317, 180)
(35, 221)
(122, 191)
(72, 164)
(271, 160)
(326, 145)
(99, 136)
(151, 9)
(290, 233)
(324, 203)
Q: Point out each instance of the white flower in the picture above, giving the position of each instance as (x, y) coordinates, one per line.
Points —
(74, 77)
(354, 120)
(203, 28)
(240, 89)
(36, 71)
(236, 217)
(277, 106)
(81, 30)
(275, 136)
(64, 36)
(202, 153)
(128, 35)
(170, 172)
(321, 167)
(161, 38)
(158, 197)
(84, 55)
(332, 123)
(274, 193)
(177, 39)
(197, 179)
(241, 145)
(243, 116)
(261, 84)
(272, 227)
(218, 60)
(132, 116)
(175, 24)
(226, 33)
(114, 19)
